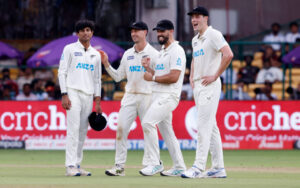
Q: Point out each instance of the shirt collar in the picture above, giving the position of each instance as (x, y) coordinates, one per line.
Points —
(204, 35)
(145, 48)
(169, 47)
(81, 46)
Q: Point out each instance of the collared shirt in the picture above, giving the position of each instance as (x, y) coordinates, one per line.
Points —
(206, 52)
(132, 69)
(80, 69)
(171, 58)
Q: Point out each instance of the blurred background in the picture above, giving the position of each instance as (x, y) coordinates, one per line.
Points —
(264, 35)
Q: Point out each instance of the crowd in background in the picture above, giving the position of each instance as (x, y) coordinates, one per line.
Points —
(39, 84)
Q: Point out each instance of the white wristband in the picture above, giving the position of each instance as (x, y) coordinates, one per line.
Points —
(153, 78)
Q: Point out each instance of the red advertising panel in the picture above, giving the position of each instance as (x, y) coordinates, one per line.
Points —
(243, 124)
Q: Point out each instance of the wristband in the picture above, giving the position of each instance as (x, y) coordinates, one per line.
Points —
(62, 94)
(153, 78)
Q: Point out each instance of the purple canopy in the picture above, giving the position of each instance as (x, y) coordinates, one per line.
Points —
(9, 52)
(293, 57)
(49, 55)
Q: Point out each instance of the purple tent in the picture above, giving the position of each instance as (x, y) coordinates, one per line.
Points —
(293, 57)
(9, 52)
(49, 55)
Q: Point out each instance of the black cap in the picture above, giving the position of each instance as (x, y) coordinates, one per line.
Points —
(199, 10)
(164, 25)
(139, 26)
(97, 121)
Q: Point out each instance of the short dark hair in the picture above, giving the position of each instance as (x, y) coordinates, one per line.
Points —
(276, 24)
(294, 24)
(81, 24)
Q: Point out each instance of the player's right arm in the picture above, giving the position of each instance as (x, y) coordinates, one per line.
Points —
(118, 74)
(62, 76)
(192, 74)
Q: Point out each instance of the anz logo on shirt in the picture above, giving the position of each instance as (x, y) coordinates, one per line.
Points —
(137, 68)
(85, 66)
(159, 67)
(198, 53)
(178, 61)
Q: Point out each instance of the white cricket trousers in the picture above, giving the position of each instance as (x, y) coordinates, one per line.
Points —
(132, 105)
(208, 138)
(160, 113)
(77, 125)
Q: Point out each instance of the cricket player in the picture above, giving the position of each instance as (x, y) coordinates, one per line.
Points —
(211, 56)
(79, 76)
(137, 97)
(168, 79)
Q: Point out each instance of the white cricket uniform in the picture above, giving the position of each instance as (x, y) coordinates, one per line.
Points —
(207, 60)
(165, 99)
(137, 98)
(79, 74)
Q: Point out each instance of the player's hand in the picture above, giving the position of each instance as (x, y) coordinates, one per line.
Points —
(208, 79)
(66, 102)
(104, 58)
(98, 108)
(192, 82)
(146, 62)
(148, 76)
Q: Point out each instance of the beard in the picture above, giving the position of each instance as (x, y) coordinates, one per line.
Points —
(164, 41)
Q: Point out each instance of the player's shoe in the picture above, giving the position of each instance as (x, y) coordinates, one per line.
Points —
(151, 170)
(172, 172)
(72, 171)
(215, 173)
(83, 172)
(192, 172)
(117, 170)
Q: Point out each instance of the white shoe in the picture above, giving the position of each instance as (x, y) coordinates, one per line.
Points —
(150, 170)
(72, 171)
(83, 172)
(192, 172)
(117, 170)
(215, 173)
(172, 172)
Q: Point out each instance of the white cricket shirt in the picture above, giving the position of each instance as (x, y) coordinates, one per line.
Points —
(206, 52)
(171, 58)
(80, 69)
(131, 68)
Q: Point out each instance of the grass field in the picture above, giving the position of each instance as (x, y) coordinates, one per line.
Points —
(245, 169)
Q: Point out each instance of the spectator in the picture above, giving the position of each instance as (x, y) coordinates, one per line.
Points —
(265, 93)
(275, 36)
(270, 54)
(184, 95)
(37, 89)
(44, 74)
(26, 78)
(294, 93)
(268, 73)
(228, 76)
(186, 87)
(7, 81)
(50, 90)
(293, 34)
(248, 73)
(26, 95)
(104, 97)
(7, 93)
(239, 94)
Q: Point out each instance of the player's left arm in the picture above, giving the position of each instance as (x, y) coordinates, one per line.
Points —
(227, 56)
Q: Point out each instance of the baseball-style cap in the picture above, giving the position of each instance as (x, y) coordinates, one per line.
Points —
(199, 10)
(164, 25)
(139, 26)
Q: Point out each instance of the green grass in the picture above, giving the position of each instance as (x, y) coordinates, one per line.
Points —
(245, 169)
